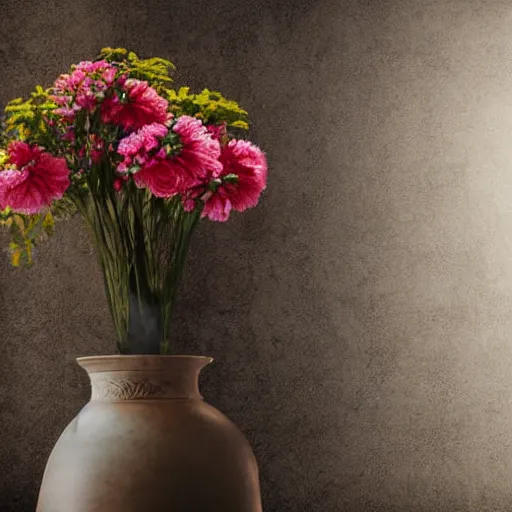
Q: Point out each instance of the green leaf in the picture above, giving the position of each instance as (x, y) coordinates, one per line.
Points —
(34, 227)
(240, 124)
(48, 224)
(3, 157)
(16, 253)
(28, 251)
(112, 54)
(18, 220)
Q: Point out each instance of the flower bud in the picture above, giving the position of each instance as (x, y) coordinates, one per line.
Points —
(118, 184)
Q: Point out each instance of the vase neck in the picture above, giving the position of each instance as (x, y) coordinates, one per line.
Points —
(144, 377)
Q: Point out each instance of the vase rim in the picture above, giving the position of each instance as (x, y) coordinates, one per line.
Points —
(143, 362)
(139, 356)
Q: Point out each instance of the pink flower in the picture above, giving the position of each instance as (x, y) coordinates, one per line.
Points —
(121, 81)
(217, 206)
(189, 198)
(42, 179)
(248, 163)
(61, 84)
(122, 168)
(143, 140)
(195, 164)
(87, 82)
(68, 112)
(169, 118)
(119, 182)
(76, 79)
(69, 134)
(109, 75)
(136, 146)
(63, 100)
(86, 100)
(161, 153)
(100, 86)
(83, 88)
(199, 156)
(188, 204)
(21, 153)
(158, 176)
(143, 106)
(217, 131)
(97, 150)
(89, 67)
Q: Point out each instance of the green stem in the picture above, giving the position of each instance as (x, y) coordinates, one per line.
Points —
(142, 244)
(102, 251)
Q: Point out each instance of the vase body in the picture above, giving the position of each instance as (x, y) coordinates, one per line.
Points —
(146, 441)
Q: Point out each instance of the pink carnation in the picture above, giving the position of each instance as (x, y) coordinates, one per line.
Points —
(136, 145)
(196, 162)
(42, 178)
(143, 106)
(217, 206)
(158, 176)
(199, 156)
(248, 163)
(21, 153)
(217, 131)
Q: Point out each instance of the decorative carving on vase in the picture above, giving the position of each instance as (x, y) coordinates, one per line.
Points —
(125, 389)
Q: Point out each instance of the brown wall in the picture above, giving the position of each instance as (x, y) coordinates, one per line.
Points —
(361, 316)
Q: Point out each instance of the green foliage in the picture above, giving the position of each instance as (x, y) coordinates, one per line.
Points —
(63, 209)
(112, 54)
(26, 232)
(209, 106)
(155, 70)
(28, 120)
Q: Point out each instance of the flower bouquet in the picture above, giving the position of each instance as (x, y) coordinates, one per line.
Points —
(141, 162)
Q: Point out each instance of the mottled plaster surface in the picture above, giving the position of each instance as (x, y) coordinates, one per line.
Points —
(361, 316)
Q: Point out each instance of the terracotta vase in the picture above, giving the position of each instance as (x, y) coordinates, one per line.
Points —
(147, 441)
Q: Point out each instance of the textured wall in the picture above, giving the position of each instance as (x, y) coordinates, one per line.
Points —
(360, 317)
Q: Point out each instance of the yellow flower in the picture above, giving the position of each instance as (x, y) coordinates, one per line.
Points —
(15, 254)
(15, 258)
